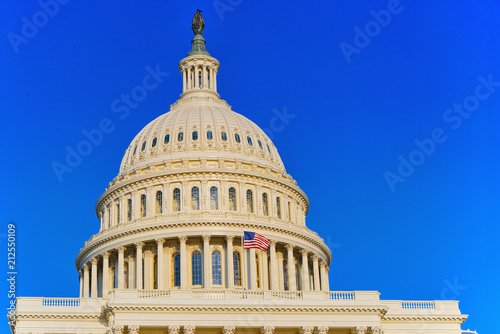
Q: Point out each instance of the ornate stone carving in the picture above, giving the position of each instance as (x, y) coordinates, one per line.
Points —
(133, 329)
(206, 238)
(307, 330)
(117, 329)
(289, 247)
(189, 329)
(272, 243)
(174, 329)
(228, 329)
(183, 238)
(377, 330)
(360, 330)
(229, 238)
(322, 329)
(139, 244)
(160, 241)
(267, 330)
(94, 260)
(322, 264)
(105, 255)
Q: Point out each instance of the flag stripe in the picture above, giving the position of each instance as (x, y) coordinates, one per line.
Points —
(255, 240)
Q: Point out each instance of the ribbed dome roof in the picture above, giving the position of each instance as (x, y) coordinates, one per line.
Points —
(200, 127)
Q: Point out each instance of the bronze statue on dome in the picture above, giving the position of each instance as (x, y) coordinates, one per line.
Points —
(198, 24)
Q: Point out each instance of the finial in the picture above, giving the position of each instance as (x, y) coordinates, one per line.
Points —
(198, 42)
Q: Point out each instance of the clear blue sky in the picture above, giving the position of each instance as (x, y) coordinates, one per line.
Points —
(360, 102)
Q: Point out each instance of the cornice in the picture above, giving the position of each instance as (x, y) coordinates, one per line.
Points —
(405, 318)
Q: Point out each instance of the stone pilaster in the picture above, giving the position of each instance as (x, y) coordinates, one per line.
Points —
(230, 262)
(160, 262)
(206, 262)
(182, 251)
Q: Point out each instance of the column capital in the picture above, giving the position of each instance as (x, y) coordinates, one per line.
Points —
(117, 329)
(230, 238)
(206, 238)
(183, 238)
(360, 330)
(121, 249)
(315, 258)
(139, 244)
(289, 247)
(105, 255)
(322, 330)
(174, 329)
(228, 329)
(85, 267)
(133, 329)
(94, 261)
(307, 330)
(322, 264)
(272, 243)
(377, 330)
(304, 252)
(160, 241)
(189, 329)
(267, 330)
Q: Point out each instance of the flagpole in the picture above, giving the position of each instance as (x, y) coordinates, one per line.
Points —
(244, 264)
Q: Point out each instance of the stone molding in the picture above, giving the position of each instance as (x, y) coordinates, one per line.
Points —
(228, 329)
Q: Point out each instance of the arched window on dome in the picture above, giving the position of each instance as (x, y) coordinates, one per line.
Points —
(237, 138)
(278, 207)
(180, 136)
(176, 200)
(249, 141)
(285, 275)
(176, 270)
(129, 209)
(249, 201)
(223, 135)
(125, 274)
(143, 146)
(214, 198)
(166, 140)
(159, 203)
(135, 150)
(268, 148)
(194, 135)
(232, 199)
(143, 205)
(195, 198)
(260, 144)
(153, 143)
(155, 272)
(257, 271)
(196, 268)
(216, 268)
(265, 205)
(237, 268)
(210, 135)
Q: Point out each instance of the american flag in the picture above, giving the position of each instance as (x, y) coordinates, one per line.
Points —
(255, 240)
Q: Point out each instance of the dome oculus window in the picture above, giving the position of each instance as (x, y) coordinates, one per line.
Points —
(237, 138)
(210, 135)
(143, 146)
(223, 136)
(260, 144)
(166, 140)
(249, 141)
(153, 144)
(195, 135)
(180, 136)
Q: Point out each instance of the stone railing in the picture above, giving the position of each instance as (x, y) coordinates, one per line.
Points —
(61, 302)
(418, 305)
(340, 295)
(160, 294)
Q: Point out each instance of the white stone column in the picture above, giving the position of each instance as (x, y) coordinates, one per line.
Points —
(160, 274)
(203, 76)
(105, 274)
(322, 270)
(182, 251)
(131, 271)
(138, 262)
(148, 266)
(206, 262)
(93, 282)
(265, 271)
(81, 283)
(120, 273)
(253, 270)
(274, 266)
(316, 272)
(327, 279)
(292, 282)
(230, 262)
(184, 79)
(215, 80)
(85, 281)
(305, 270)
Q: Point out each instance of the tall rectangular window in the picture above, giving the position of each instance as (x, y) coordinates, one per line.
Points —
(214, 201)
(129, 209)
(159, 202)
(232, 199)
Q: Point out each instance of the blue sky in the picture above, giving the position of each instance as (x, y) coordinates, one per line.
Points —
(392, 128)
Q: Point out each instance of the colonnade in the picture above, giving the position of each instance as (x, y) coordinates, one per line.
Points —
(171, 264)
(201, 76)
